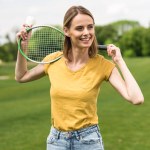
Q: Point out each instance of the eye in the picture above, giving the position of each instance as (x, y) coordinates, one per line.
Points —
(91, 26)
(79, 28)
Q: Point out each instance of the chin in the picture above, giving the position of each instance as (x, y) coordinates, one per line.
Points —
(86, 45)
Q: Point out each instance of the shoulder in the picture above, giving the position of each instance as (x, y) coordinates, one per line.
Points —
(50, 57)
(105, 65)
(53, 56)
(103, 59)
(99, 57)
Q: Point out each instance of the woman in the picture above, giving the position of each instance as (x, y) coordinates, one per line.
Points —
(75, 81)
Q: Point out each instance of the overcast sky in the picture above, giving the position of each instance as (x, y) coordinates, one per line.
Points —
(14, 12)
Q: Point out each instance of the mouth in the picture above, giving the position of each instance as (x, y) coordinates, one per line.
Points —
(85, 39)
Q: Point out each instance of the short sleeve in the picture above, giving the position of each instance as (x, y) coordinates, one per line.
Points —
(108, 66)
(49, 58)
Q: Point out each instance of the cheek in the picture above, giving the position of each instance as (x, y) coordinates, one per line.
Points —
(92, 32)
(75, 36)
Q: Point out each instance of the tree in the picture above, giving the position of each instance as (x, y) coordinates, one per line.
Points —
(123, 26)
(106, 33)
(132, 41)
(146, 43)
(8, 51)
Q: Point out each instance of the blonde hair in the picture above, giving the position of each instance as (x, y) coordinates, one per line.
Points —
(70, 14)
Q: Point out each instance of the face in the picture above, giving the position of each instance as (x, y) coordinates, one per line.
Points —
(81, 31)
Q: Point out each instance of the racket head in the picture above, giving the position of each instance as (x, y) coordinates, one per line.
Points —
(42, 41)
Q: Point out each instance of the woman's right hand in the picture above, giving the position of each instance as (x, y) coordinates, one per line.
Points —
(23, 35)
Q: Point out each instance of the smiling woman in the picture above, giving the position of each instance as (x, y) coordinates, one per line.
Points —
(76, 79)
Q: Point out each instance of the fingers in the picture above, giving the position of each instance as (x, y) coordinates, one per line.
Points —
(112, 50)
(23, 33)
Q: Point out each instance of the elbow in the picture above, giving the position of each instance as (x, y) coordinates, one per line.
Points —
(21, 78)
(18, 80)
(138, 101)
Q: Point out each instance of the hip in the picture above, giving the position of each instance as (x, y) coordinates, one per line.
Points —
(86, 138)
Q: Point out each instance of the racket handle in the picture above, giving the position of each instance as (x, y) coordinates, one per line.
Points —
(102, 47)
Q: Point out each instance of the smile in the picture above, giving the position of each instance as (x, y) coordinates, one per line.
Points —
(85, 39)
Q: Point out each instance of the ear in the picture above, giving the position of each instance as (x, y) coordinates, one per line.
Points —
(66, 31)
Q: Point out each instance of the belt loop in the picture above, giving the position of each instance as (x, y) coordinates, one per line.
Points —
(58, 134)
(77, 135)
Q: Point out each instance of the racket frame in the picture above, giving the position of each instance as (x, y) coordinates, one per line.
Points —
(21, 51)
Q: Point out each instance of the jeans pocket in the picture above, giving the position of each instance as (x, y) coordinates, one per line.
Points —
(51, 139)
(91, 138)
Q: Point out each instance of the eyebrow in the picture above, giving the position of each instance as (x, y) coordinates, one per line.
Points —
(83, 25)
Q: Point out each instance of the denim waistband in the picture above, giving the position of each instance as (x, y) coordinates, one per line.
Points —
(77, 133)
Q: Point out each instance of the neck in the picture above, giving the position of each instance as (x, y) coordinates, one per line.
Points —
(79, 56)
(78, 59)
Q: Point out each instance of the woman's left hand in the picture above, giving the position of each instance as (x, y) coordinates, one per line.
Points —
(114, 52)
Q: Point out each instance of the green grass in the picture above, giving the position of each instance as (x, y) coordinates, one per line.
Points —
(25, 112)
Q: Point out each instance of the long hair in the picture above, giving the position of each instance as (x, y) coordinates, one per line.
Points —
(70, 14)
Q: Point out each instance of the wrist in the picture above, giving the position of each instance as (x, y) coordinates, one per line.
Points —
(120, 61)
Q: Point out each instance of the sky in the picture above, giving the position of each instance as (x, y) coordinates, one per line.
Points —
(51, 12)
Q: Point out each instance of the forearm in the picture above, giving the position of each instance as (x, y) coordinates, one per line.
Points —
(21, 67)
(22, 74)
(133, 90)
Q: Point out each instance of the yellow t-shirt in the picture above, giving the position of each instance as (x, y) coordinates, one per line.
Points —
(74, 93)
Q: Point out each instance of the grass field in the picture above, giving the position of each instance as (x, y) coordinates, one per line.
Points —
(25, 112)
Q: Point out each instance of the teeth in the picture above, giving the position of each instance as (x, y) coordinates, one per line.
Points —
(84, 39)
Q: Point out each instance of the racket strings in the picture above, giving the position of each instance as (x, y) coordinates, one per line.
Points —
(44, 41)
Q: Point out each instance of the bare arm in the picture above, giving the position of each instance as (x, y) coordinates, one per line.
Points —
(126, 86)
(22, 74)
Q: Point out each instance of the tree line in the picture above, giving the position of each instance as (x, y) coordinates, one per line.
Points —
(132, 38)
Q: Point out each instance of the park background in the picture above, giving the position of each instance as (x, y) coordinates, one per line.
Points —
(25, 108)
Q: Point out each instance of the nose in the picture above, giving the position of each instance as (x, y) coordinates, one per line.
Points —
(85, 31)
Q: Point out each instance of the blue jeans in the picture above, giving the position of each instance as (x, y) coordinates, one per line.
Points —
(84, 139)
